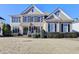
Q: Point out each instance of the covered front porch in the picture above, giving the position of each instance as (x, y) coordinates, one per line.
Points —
(26, 30)
(31, 30)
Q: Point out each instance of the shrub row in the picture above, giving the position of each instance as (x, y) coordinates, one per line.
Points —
(56, 35)
(62, 35)
(36, 35)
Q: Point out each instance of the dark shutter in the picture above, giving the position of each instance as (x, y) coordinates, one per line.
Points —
(48, 27)
(68, 27)
(55, 28)
(61, 27)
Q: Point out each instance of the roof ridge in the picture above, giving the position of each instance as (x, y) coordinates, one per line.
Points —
(32, 5)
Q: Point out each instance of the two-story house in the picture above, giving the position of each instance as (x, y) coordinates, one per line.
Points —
(34, 20)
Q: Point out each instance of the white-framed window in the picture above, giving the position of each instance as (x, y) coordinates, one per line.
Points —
(30, 19)
(37, 18)
(51, 27)
(32, 9)
(25, 19)
(65, 27)
(15, 19)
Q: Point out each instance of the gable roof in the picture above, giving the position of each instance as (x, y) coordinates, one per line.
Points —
(60, 16)
(52, 18)
(36, 10)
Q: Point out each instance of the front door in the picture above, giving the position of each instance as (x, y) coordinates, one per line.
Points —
(25, 30)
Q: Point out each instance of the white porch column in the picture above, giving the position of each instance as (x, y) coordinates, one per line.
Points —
(45, 26)
(58, 27)
(67, 27)
(70, 27)
(11, 23)
(21, 19)
(20, 26)
(11, 28)
(20, 29)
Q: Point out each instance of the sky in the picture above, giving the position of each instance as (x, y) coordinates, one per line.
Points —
(12, 9)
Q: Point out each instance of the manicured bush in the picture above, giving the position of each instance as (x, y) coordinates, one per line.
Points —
(29, 35)
(44, 34)
(20, 34)
(77, 33)
(53, 35)
(36, 35)
(70, 35)
(62, 35)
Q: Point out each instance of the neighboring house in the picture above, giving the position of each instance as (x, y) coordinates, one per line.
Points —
(75, 26)
(34, 20)
(1, 25)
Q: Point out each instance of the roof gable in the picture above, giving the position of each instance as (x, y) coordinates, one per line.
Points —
(52, 18)
(61, 14)
(32, 9)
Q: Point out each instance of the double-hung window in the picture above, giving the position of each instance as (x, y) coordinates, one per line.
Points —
(65, 27)
(37, 18)
(25, 19)
(30, 19)
(15, 19)
(51, 27)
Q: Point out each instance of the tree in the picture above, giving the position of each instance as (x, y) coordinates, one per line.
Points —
(6, 30)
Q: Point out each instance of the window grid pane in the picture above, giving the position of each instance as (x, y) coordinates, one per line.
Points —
(30, 19)
(36, 19)
(65, 27)
(25, 19)
(15, 19)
